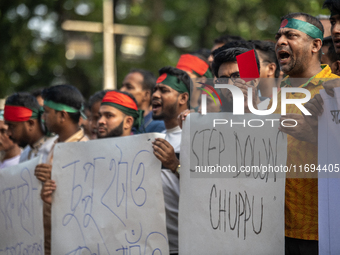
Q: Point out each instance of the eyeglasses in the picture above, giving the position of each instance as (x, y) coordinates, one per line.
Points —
(225, 79)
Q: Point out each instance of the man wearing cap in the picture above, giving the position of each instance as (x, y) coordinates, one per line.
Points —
(139, 83)
(169, 99)
(9, 151)
(197, 67)
(23, 117)
(298, 49)
(118, 113)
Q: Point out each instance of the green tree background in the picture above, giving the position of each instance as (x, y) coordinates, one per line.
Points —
(32, 43)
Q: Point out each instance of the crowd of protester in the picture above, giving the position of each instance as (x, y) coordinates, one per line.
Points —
(32, 123)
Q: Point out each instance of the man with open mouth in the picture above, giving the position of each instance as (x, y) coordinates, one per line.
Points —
(298, 49)
(170, 97)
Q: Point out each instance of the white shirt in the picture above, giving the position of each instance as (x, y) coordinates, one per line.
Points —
(171, 190)
(10, 162)
(42, 147)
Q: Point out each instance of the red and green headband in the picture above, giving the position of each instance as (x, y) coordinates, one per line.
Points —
(302, 26)
(125, 104)
(173, 82)
(194, 65)
(20, 113)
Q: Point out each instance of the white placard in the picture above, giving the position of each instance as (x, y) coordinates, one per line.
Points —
(242, 214)
(109, 197)
(21, 210)
(329, 176)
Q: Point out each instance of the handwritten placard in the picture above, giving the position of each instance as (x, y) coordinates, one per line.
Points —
(21, 219)
(109, 198)
(232, 212)
(329, 174)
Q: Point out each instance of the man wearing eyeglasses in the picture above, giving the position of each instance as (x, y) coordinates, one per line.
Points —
(225, 68)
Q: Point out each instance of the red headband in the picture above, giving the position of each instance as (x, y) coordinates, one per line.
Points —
(17, 113)
(120, 99)
(161, 78)
(191, 63)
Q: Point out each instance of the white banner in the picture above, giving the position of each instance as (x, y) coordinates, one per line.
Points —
(329, 175)
(109, 198)
(232, 185)
(21, 210)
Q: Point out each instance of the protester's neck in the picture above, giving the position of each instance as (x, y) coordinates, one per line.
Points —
(68, 131)
(305, 76)
(36, 137)
(169, 124)
(12, 152)
(146, 108)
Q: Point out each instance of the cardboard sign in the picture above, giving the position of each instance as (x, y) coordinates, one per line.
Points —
(223, 208)
(329, 174)
(21, 210)
(109, 197)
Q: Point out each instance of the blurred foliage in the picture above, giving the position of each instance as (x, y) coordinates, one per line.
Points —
(32, 43)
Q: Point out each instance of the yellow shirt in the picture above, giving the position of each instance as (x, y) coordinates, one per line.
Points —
(301, 194)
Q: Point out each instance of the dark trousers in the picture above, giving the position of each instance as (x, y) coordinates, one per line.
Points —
(295, 246)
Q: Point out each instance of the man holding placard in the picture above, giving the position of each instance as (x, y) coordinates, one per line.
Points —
(63, 106)
(298, 49)
(169, 99)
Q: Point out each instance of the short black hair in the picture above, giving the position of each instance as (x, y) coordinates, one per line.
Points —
(332, 55)
(37, 92)
(24, 99)
(327, 41)
(96, 97)
(228, 38)
(235, 44)
(229, 55)
(65, 94)
(181, 76)
(332, 5)
(149, 79)
(267, 50)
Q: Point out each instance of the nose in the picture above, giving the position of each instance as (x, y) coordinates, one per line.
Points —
(281, 41)
(9, 132)
(156, 94)
(101, 121)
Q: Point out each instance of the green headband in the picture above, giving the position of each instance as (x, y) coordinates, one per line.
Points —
(64, 107)
(173, 82)
(137, 115)
(303, 26)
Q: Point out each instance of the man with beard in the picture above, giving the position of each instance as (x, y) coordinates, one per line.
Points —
(23, 117)
(9, 151)
(169, 99)
(118, 113)
(298, 49)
